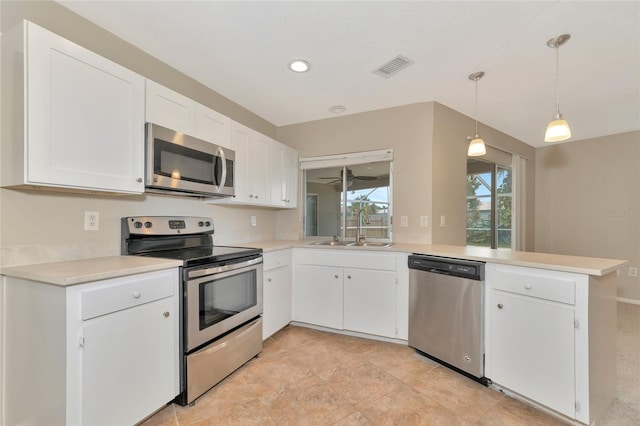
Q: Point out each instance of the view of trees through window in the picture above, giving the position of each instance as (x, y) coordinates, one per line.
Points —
(368, 211)
(489, 204)
(342, 201)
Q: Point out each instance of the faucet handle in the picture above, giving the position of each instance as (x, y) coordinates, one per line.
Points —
(335, 239)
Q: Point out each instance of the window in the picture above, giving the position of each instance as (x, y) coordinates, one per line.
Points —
(489, 204)
(347, 195)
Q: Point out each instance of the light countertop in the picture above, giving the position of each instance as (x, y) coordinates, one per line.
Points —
(555, 262)
(87, 270)
(74, 272)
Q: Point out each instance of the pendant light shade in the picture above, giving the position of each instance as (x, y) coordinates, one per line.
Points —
(476, 146)
(558, 129)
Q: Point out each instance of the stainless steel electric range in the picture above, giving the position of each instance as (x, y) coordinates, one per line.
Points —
(221, 287)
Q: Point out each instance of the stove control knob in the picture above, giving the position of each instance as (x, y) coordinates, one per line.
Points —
(137, 225)
(207, 223)
(148, 224)
(201, 224)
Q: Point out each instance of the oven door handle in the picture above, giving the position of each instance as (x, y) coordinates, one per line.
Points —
(219, 269)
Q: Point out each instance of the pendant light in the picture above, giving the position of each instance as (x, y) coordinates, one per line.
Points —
(476, 146)
(558, 129)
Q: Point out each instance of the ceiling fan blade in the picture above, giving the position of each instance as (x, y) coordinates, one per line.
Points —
(332, 177)
(365, 177)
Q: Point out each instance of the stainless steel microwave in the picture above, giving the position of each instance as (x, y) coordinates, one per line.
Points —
(180, 164)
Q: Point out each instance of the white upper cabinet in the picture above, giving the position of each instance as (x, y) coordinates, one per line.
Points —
(170, 109)
(212, 126)
(283, 163)
(83, 116)
(251, 173)
(177, 112)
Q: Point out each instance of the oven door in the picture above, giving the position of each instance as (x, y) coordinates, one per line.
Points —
(220, 299)
(179, 162)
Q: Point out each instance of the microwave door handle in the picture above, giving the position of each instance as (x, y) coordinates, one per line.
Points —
(224, 169)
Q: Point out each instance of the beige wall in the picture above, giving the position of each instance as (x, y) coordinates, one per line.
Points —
(588, 201)
(40, 226)
(450, 132)
(406, 129)
(430, 154)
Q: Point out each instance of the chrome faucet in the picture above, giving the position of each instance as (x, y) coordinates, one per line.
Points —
(359, 238)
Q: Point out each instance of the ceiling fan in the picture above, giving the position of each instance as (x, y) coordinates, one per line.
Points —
(350, 177)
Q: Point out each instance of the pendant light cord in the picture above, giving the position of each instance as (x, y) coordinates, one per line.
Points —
(476, 109)
(557, 81)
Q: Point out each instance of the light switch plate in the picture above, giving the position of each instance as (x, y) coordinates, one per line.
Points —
(404, 221)
(424, 221)
(253, 221)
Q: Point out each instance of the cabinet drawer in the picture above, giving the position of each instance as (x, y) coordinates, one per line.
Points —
(276, 259)
(123, 293)
(535, 285)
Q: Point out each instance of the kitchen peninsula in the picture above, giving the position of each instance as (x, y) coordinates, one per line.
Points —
(550, 320)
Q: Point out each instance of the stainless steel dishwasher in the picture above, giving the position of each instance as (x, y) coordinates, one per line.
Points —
(446, 312)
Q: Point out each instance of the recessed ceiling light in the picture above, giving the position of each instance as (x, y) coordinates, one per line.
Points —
(337, 109)
(299, 65)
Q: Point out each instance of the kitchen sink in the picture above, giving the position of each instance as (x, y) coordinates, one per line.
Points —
(371, 244)
(332, 243)
(351, 243)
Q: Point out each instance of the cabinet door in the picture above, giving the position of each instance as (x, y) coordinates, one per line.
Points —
(276, 312)
(212, 126)
(128, 364)
(370, 302)
(532, 349)
(258, 171)
(283, 176)
(85, 117)
(276, 177)
(170, 109)
(291, 177)
(317, 295)
(241, 138)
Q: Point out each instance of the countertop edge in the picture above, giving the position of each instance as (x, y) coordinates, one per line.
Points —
(549, 261)
(81, 271)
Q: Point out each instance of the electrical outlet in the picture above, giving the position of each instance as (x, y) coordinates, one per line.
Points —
(424, 221)
(633, 271)
(404, 221)
(253, 221)
(91, 221)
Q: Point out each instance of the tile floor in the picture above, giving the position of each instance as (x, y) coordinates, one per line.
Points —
(309, 377)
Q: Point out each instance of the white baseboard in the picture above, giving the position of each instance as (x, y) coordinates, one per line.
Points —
(627, 300)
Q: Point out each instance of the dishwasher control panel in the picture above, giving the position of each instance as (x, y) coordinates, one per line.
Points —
(448, 266)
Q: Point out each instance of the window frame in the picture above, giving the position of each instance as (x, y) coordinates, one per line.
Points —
(345, 161)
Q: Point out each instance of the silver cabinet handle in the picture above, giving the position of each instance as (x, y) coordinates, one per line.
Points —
(136, 295)
(269, 279)
(527, 286)
(349, 276)
(500, 306)
(336, 275)
(139, 180)
(166, 314)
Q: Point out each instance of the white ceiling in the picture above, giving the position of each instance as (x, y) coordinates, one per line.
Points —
(241, 49)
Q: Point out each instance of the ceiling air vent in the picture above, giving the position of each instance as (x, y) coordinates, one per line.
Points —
(393, 67)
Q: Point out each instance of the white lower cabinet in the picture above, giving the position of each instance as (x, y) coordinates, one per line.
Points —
(361, 291)
(277, 280)
(533, 347)
(548, 338)
(317, 295)
(370, 301)
(101, 353)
